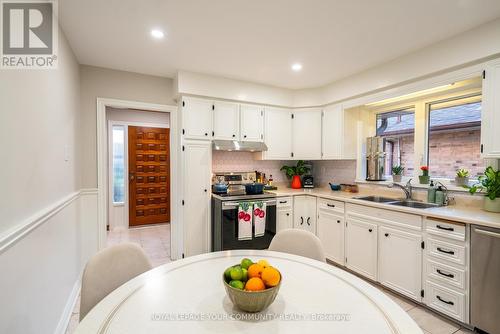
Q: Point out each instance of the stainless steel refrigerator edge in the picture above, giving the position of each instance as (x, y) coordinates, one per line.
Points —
(375, 159)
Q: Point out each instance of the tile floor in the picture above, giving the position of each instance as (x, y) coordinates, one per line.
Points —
(155, 240)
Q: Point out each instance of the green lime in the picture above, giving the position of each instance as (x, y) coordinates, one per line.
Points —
(227, 274)
(236, 273)
(245, 263)
(237, 284)
(245, 275)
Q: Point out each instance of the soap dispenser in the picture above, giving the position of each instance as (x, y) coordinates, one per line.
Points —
(431, 193)
(439, 196)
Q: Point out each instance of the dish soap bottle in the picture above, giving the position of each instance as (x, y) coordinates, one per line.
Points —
(439, 196)
(431, 193)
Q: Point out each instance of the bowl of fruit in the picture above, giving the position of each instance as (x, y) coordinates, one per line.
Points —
(250, 286)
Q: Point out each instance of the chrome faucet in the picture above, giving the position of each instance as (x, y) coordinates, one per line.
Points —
(407, 188)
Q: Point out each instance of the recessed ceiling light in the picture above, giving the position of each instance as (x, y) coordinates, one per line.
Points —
(158, 34)
(296, 67)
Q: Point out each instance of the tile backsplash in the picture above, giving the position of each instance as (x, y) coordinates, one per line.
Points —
(339, 171)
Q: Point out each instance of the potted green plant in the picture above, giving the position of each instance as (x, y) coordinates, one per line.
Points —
(295, 172)
(397, 173)
(424, 178)
(462, 177)
(490, 184)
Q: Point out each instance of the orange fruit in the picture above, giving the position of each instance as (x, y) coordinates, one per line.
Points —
(255, 284)
(255, 270)
(270, 276)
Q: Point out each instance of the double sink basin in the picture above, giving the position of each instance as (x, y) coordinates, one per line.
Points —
(398, 202)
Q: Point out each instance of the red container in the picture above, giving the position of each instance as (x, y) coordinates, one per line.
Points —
(296, 183)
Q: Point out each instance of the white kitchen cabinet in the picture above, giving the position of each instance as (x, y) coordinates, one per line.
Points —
(277, 134)
(252, 122)
(196, 168)
(361, 247)
(330, 228)
(197, 118)
(304, 213)
(339, 133)
(400, 261)
(490, 111)
(284, 214)
(226, 121)
(306, 134)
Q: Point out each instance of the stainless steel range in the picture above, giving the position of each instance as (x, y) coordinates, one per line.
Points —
(225, 214)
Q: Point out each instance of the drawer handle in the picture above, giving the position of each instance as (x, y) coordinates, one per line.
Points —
(369, 230)
(445, 251)
(331, 205)
(308, 218)
(444, 274)
(445, 228)
(283, 202)
(445, 301)
(301, 220)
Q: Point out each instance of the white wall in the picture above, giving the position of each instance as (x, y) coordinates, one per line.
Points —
(43, 240)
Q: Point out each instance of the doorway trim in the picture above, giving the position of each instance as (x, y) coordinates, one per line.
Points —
(102, 167)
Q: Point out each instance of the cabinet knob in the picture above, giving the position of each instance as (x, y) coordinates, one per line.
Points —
(244, 136)
(205, 190)
(338, 221)
(387, 234)
(234, 136)
(288, 214)
(206, 134)
(369, 230)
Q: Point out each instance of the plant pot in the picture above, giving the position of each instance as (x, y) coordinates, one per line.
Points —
(397, 178)
(461, 181)
(296, 183)
(424, 179)
(491, 205)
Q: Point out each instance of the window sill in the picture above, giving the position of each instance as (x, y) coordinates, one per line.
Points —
(447, 183)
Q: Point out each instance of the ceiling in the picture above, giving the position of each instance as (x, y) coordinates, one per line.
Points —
(258, 40)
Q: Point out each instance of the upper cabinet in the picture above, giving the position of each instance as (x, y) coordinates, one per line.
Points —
(252, 122)
(339, 132)
(278, 134)
(306, 129)
(226, 121)
(197, 118)
(490, 114)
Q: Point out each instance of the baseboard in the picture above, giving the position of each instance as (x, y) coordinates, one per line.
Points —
(68, 308)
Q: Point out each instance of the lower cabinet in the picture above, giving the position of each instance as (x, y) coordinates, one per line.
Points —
(304, 213)
(284, 215)
(361, 247)
(330, 228)
(400, 261)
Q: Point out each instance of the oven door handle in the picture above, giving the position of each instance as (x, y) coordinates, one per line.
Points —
(234, 205)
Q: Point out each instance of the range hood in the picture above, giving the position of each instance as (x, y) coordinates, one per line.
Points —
(235, 145)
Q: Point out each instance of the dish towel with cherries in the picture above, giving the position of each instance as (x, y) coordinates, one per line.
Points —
(259, 218)
(245, 221)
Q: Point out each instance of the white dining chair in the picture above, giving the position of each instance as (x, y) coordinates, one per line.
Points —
(109, 269)
(298, 242)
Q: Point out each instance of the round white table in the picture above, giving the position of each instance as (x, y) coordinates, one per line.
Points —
(188, 296)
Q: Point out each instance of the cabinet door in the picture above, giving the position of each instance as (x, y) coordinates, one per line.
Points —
(284, 219)
(226, 121)
(400, 261)
(197, 118)
(252, 122)
(278, 134)
(361, 247)
(306, 134)
(304, 213)
(333, 132)
(331, 233)
(490, 112)
(197, 164)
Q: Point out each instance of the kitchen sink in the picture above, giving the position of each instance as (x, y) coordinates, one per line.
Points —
(377, 199)
(414, 204)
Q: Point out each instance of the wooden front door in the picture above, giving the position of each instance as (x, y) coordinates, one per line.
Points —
(149, 175)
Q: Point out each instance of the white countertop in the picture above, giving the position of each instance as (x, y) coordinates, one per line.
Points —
(468, 215)
(188, 296)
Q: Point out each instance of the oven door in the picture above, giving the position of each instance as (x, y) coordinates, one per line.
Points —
(230, 227)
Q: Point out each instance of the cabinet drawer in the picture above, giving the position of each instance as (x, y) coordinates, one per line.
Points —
(447, 251)
(283, 202)
(445, 274)
(444, 300)
(332, 205)
(445, 228)
(394, 218)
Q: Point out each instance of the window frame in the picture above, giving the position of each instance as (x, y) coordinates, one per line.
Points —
(125, 168)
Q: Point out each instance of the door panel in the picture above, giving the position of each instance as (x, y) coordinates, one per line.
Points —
(149, 175)
(226, 121)
(307, 134)
(197, 118)
(278, 134)
(361, 248)
(252, 122)
(331, 234)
